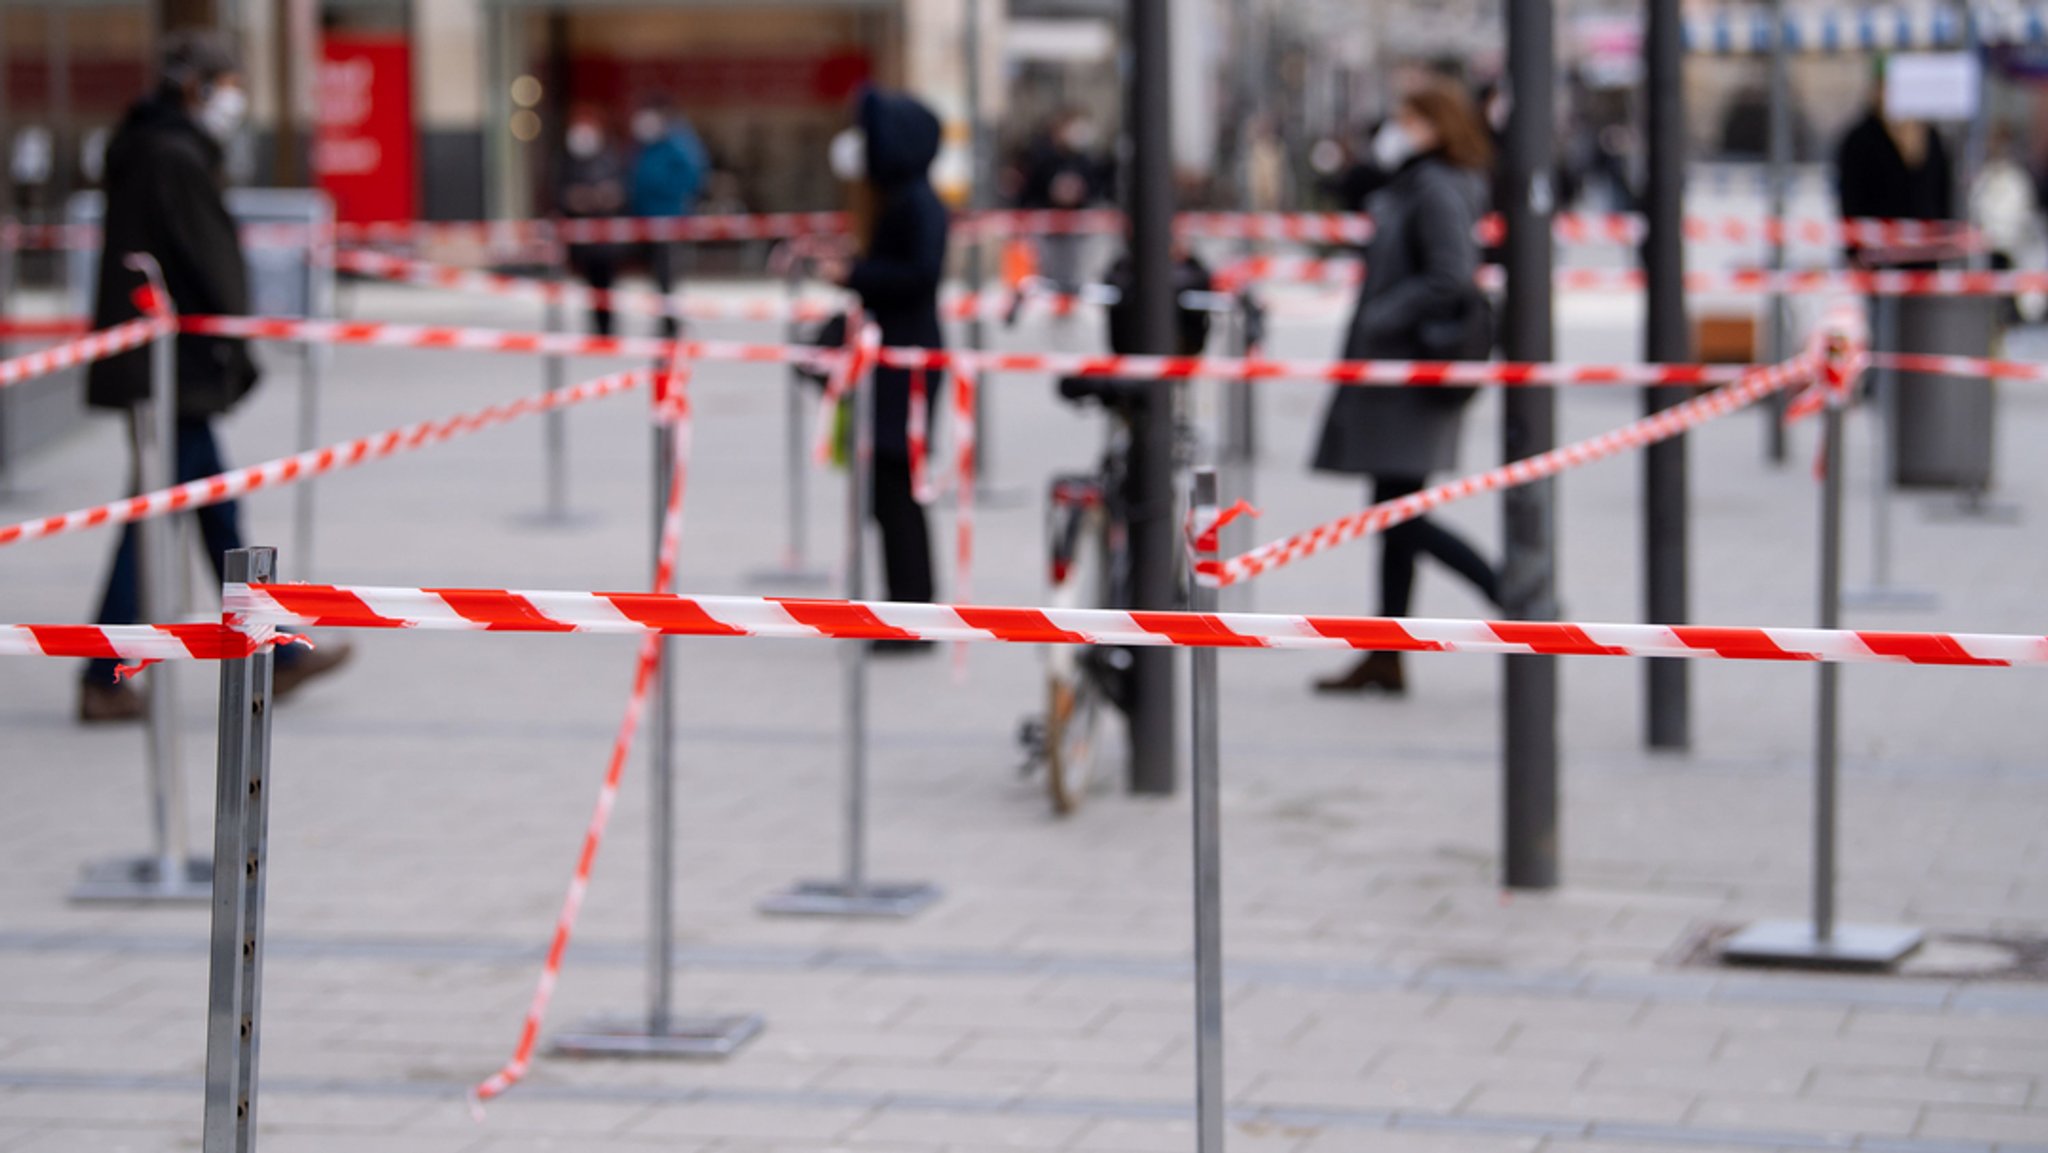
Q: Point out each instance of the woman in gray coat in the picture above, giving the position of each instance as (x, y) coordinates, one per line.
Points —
(1419, 301)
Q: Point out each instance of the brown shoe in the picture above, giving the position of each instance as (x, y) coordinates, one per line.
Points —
(1374, 671)
(287, 678)
(100, 704)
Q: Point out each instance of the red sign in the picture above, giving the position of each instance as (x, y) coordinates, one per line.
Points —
(363, 146)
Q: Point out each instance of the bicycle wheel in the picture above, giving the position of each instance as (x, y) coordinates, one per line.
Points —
(1073, 732)
(1074, 697)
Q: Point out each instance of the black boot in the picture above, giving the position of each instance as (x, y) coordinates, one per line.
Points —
(1381, 671)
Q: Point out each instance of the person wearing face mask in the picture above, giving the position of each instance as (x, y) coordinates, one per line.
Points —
(900, 229)
(593, 184)
(165, 197)
(669, 171)
(1420, 301)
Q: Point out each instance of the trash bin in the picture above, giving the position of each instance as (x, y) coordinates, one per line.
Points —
(1941, 426)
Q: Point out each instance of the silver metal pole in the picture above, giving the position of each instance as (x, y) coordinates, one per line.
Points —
(662, 809)
(797, 557)
(156, 426)
(555, 431)
(1208, 844)
(8, 292)
(859, 504)
(977, 273)
(854, 894)
(1882, 594)
(240, 872)
(314, 367)
(1827, 705)
(1779, 179)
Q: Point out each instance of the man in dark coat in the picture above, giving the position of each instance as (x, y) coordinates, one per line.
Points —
(164, 197)
(896, 277)
(1892, 170)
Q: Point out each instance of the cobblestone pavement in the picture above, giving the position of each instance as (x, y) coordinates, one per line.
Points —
(1383, 992)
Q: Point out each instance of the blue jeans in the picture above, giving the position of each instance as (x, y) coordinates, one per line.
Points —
(198, 456)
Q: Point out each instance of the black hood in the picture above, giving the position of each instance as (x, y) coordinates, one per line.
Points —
(902, 136)
(157, 116)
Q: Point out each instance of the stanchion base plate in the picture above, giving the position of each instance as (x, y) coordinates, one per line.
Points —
(692, 1038)
(789, 578)
(837, 899)
(1794, 943)
(140, 881)
(557, 521)
(1891, 599)
(1963, 510)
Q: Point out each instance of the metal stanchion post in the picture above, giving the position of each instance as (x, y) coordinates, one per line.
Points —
(240, 872)
(169, 873)
(854, 895)
(660, 1033)
(1240, 437)
(320, 305)
(554, 377)
(1822, 942)
(7, 294)
(1881, 593)
(1779, 179)
(1208, 845)
(796, 566)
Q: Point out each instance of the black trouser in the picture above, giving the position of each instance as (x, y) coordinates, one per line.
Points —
(598, 265)
(662, 265)
(906, 541)
(1402, 544)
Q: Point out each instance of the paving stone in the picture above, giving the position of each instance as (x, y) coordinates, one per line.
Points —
(1661, 1106)
(1806, 1115)
(2002, 1126)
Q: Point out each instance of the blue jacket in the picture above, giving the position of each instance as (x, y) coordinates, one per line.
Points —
(668, 174)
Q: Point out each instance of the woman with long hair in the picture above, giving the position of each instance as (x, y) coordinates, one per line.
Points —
(1420, 301)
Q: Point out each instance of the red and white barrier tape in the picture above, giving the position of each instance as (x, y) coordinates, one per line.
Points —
(1960, 366)
(1298, 227)
(315, 462)
(382, 335)
(1748, 281)
(1385, 515)
(637, 614)
(1358, 372)
(85, 350)
(209, 641)
(44, 328)
(672, 406)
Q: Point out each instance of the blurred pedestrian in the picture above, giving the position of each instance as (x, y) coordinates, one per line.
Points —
(900, 227)
(669, 174)
(165, 198)
(1891, 169)
(2005, 210)
(1420, 301)
(592, 186)
(1063, 172)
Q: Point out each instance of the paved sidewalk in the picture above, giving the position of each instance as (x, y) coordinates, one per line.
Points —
(1384, 993)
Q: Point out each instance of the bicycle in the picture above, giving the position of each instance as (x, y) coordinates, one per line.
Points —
(1088, 517)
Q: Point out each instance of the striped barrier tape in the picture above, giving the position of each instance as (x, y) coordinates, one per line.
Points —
(314, 462)
(672, 406)
(1960, 366)
(85, 350)
(641, 614)
(1385, 373)
(1662, 426)
(1294, 227)
(1748, 281)
(44, 328)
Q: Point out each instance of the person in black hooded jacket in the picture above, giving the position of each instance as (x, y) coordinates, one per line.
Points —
(902, 256)
(164, 197)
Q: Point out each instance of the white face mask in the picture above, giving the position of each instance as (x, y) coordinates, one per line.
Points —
(647, 127)
(584, 141)
(1082, 137)
(221, 113)
(1392, 146)
(849, 155)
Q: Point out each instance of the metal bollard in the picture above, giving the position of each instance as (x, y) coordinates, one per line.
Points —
(854, 895)
(1881, 592)
(1822, 942)
(659, 1033)
(240, 873)
(169, 874)
(554, 377)
(796, 568)
(1208, 844)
